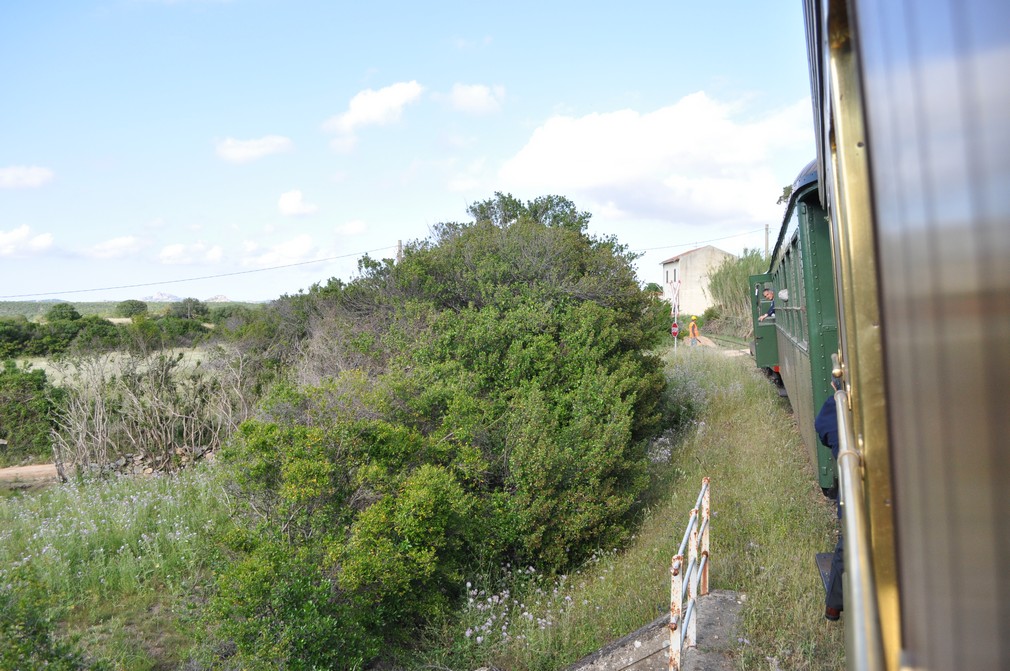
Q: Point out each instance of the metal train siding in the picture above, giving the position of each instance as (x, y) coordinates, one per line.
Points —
(910, 107)
(803, 334)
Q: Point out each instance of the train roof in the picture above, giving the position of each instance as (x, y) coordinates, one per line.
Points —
(806, 176)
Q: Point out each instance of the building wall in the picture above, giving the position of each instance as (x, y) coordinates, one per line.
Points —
(692, 270)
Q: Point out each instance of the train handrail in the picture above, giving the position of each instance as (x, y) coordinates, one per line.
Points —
(865, 650)
(683, 621)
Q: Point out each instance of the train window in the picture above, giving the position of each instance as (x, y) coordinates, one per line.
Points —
(798, 298)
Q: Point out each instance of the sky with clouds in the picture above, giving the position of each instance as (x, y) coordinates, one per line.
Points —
(252, 148)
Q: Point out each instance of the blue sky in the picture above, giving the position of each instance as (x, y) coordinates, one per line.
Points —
(264, 145)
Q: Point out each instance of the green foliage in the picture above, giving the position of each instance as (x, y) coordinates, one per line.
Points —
(180, 332)
(406, 553)
(27, 403)
(281, 611)
(29, 627)
(142, 335)
(16, 337)
(230, 314)
(487, 398)
(290, 475)
(189, 308)
(131, 308)
(64, 329)
(729, 288)
(62, 312)
(97, 335)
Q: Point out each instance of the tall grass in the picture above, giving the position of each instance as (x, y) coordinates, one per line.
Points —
(114, 555)
(769, 520)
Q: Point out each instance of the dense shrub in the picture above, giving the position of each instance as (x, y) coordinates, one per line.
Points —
(179, 331)
(95, 334)
(131, 308)
(27, 405)
(486, 399)
(280, 610)
(16, 336)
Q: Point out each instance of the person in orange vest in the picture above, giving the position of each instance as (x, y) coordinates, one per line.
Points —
(692, 331)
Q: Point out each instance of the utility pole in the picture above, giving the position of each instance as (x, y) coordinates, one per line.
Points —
(766, 240)
(399, 247)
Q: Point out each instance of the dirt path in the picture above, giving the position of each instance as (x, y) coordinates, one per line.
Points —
(20, 477)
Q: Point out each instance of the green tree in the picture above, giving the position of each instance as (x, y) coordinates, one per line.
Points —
(131, 308)
(62, 312)
(189, 308)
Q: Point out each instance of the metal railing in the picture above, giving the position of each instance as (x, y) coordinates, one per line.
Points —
(683, 620)
(865, 649)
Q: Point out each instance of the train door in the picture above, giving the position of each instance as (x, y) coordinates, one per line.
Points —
(765, 344)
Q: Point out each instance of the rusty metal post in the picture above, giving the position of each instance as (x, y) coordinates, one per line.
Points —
(676, 599)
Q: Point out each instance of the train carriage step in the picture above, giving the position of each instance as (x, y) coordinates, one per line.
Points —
(823, 561)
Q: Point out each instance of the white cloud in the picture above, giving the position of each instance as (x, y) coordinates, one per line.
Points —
(290, 204)
(477, 98)
(352, 228)
(20, 242)
(184, 255)
(296, 250)
(115, 248)
(693, 161)
(371, 108)
(24, 177)
(244, 151)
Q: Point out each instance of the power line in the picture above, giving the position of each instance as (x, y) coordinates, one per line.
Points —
(698, 242)
(305, 263)
(194, 279)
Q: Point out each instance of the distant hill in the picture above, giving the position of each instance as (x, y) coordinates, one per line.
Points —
(161, 297)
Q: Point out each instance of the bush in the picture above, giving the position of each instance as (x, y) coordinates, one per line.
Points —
(16, 336)
(27, 404)
(280, 611)
(131, 308)
(29, 636)
(486, 399)
(406, 553)
(97, 335)
(62, 312)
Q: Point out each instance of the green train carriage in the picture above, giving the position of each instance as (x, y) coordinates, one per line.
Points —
(799, 341)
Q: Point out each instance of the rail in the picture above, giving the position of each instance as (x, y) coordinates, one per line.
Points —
(683, 620)
(866, 651)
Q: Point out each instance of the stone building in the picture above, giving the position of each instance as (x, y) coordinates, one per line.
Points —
(685, 278)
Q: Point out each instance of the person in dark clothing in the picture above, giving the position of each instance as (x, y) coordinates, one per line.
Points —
(769, 295)
(826, 425)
